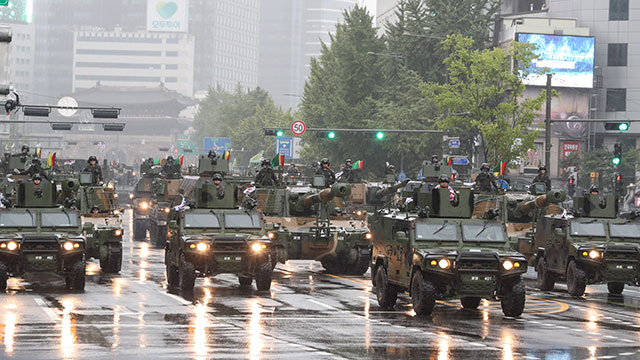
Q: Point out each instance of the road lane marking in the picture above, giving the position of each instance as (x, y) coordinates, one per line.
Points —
(47, 310)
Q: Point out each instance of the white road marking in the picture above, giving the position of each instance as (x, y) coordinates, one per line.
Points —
(47, 310)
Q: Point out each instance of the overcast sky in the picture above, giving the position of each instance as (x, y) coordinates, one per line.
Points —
(371, 6)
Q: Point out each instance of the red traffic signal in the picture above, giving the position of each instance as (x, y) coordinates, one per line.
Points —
(618, 178)
(571, 180)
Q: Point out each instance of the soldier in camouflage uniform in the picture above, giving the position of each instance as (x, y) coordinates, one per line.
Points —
(95, 170)
(485, 181)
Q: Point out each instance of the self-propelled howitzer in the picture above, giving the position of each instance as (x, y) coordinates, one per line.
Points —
(306, 203)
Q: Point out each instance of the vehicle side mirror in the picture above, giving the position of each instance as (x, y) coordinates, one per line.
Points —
(173, 224)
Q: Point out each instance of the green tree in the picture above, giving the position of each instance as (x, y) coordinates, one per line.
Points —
(483, 102)
(599, 161)
(342, 88)
(421, 25)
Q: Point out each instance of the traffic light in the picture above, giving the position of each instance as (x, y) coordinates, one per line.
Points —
(617, 154)
(273, 132)
(616, 126)
(618, 185)
(379, 135)
(571, 186)
(331, 135)
(279, 133)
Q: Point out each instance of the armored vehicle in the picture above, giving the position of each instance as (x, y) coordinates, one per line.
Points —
(591, 246)
(38, 236)
(437, 251)
(99, 208)
(164, 190)
(310, 227)
(141, 198)
(213, 235)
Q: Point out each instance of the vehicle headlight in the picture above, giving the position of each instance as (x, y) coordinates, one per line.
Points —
(594, 254)
(257, 247)
(444, 263)
(68, 245)
(110, 186)
(11, 245)
(167, 210)
(271, 235)
(359, 213)
(144, 205)
(117, 232)
(131, 196)
(202, 246)
(368, 236)
(507, 265)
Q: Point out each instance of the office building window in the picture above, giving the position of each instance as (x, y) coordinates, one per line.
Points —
(618, 10)
(617, 55)
(616, 100)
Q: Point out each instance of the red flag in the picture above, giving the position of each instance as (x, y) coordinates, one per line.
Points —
(449, 161)
(181, 160)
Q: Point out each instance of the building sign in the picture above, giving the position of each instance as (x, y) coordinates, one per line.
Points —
(167, 15)
(569, 147)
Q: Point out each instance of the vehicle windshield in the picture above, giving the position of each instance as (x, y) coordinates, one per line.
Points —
(17, 219)
(483, 232)
(242, 221)
(625, 230)
(201, 220)
(588, 228)
(444, 231)
(59, 219)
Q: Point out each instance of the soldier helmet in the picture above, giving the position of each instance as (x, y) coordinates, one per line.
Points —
(217, 176)
(315, 164)
(434, 157)
(484, 166)
(36, 177)
(212, 154)
(593, 189)
(94, 208)
(36, 160)
(542, 167)
(324, 161)
(265, 162)
(391, 167)
(170, 158)
(25, 147)
(443, 178)
(348, 161)
(92, 158)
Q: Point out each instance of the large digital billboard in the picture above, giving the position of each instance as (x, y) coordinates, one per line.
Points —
(569, 58)
(17, 11)
(168, 15)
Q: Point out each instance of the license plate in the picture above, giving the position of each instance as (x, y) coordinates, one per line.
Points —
(232, 258)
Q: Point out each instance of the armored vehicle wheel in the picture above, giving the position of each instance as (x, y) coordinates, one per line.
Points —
(3, 277)
(386, 293)
(546, 279)
(76, 279)
(423, 294)
(615, 288)
(245, 281)
(470, 302)
(187, 275)
(112, 262)
(159, 237)
(172, 271)
(374, 273)
(576, 279)
(263, 276)
(361, 265)
(333, 265)
(513, 298)
(139, 230)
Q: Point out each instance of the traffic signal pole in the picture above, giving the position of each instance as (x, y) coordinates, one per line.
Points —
(547, 126)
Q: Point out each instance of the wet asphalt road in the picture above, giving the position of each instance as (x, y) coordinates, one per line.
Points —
(307, 314)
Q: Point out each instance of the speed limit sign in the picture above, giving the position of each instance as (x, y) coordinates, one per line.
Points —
(298, 127)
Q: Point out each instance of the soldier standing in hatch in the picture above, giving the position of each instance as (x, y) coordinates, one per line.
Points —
(4, 164)
(346, 171)
(543, 177)
(266, 176)
(391, 170)
(485, 181)
(35, 169)
(325, 170)
(292, 171)
(443, 183)
(217, 181)
(95, 170)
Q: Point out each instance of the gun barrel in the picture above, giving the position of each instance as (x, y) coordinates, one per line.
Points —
(551, 197)
(326, 195)
(389, 190)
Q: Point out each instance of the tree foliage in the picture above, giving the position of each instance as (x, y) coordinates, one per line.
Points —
(482, 102)
(599, 161)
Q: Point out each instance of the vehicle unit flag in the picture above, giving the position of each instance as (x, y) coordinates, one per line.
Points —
(179, 160)
(278, 160)
(358, 165)
(500, 168)
(38, 153)
(51, 160)
(449, 160)
(226, 155)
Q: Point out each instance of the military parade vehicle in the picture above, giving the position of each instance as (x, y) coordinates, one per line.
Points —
(311, 227)
(99, 208)
(141, 198)
(590, 245)
(164, 190)
(437, 251)
(39, 236)
(212, 234)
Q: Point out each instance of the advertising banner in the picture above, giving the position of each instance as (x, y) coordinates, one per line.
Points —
(168, 15)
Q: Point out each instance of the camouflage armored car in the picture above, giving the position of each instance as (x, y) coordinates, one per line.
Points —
(213, 235)
(38, 236)
(141, 198)
(589, 247)
(437, 251)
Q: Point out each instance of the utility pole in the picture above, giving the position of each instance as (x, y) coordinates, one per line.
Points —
(547, 127)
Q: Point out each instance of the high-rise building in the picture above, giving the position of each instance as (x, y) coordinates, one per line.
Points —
(291, 34)
(226, 40)
(133, 59)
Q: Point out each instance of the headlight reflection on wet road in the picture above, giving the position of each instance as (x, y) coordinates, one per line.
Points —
(255, 331)
(68, 332)
(200, 326)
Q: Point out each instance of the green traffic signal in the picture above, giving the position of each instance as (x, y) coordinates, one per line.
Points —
(331, 135)
(379, 135)
(623, 126)
(615, 161)
(280, 133)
